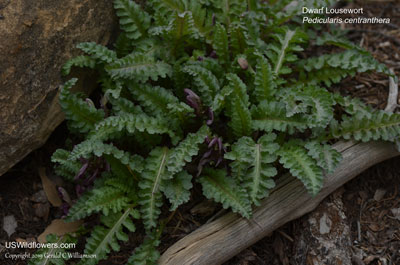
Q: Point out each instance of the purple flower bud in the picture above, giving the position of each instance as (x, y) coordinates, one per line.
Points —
(193, 100)
(92, 177)
(220, 147)
(79, 189)
(89, 102)
(65, 208)
(64, 195)
(207, 154)
(191, 94)
(213, 141)
(213, 54)
(200, 58)
(214, 154)
(243, 63)
(201, 164)
(81, 171)
(218, 161)
(211, 117)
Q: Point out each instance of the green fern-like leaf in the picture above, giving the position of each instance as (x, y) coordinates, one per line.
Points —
(168, 7)
(252, 165)
(98, 52)
(221, 99)
(79, 61)
(53, 255)
(132, 19)
(158, 100)
(105, 199)
(379, 126)
(354, 106)
(295, 158)
(240, 118)
(239, 107)
(139, 67)
(338, 41)
(186, 149)
(122, 105)
(220, 43)
(182, 26)
(331, 68)
(81, 115)
(124, 174)
(269, 116)
(265, 87)
(239, 88)
(316, 101)
(104, 238)
(322, 103)
(123, 45)
(95, 147)
(295, 101)
(238, 38)
(216, 185)
(130, 123)
(284, 51)
(205, 81)
(177, 190)
(146, 253)
(66, 168)
(153, 176)
(231, 9)
(160, 167)
(326, 157)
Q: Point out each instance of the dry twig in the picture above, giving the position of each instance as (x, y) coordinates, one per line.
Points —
(392, 102)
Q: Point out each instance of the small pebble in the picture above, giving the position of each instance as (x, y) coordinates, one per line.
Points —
(379, 194)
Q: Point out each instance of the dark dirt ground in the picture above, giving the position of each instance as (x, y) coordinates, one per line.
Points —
(378, 230)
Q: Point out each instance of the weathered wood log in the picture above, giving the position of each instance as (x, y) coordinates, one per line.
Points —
(37, 37)
(220, 240)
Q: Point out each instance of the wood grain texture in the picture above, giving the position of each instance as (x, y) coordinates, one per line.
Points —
(220, 240)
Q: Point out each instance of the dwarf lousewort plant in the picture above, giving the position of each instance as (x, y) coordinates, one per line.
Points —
(216, 85)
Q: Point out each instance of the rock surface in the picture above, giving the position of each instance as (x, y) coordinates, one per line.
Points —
(37, 37)
(325, 237)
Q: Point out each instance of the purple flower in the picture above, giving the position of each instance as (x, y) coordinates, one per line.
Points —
(211, 117)
(213, 54)
(65, 209)
(79, 189)
(82, 170)
(64, 195)
(214, 154)
(91, 179)
(89, 102)
(193, 100)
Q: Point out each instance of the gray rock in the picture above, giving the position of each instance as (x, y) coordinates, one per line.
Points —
(325, 237)
(37, 37)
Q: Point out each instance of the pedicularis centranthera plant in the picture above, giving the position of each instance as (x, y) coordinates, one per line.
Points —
(217, 92)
